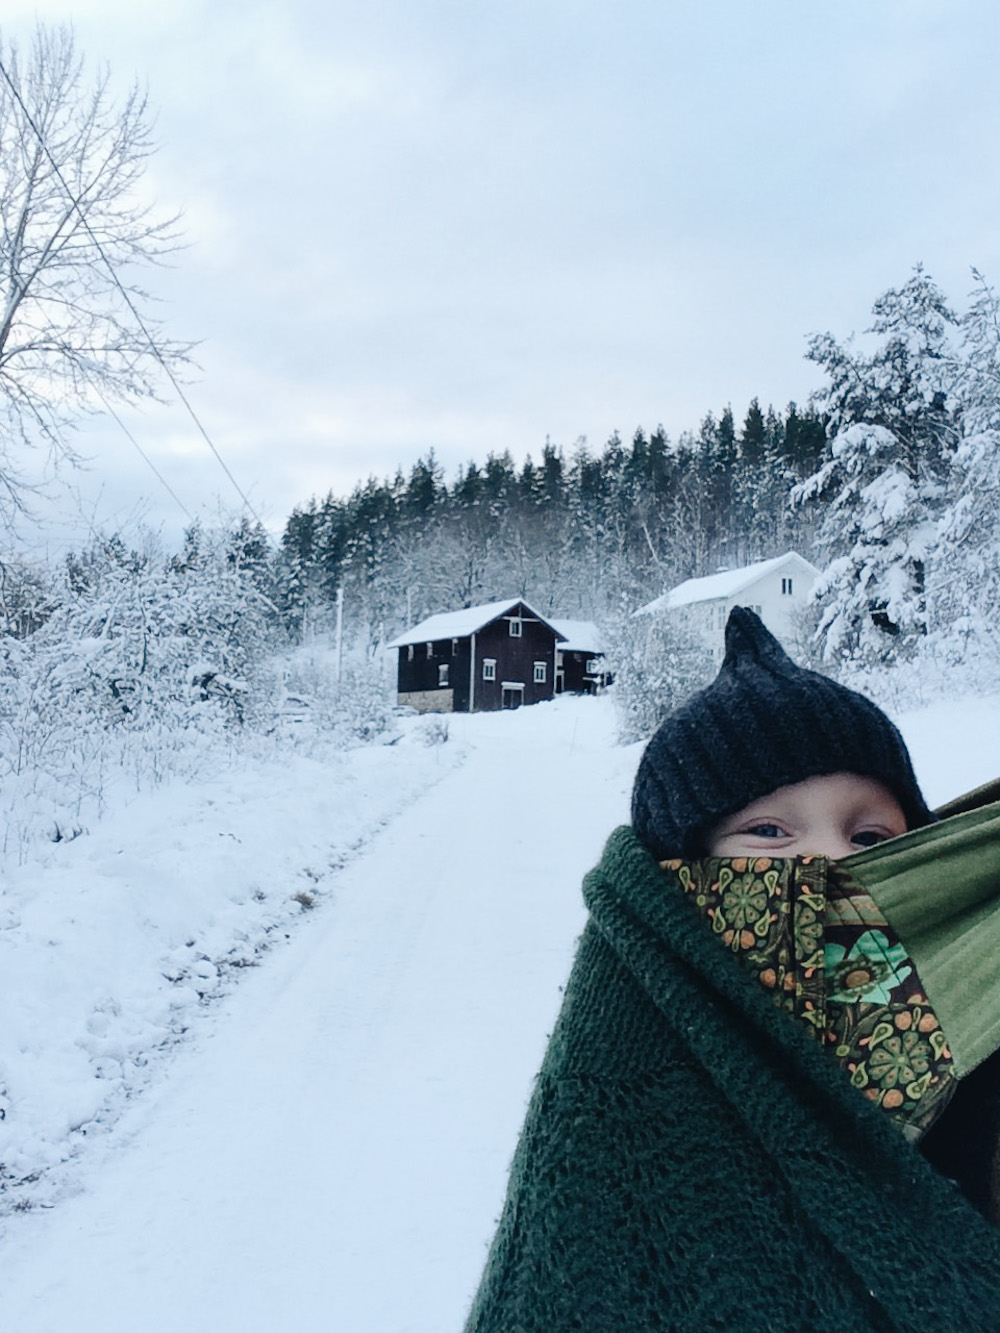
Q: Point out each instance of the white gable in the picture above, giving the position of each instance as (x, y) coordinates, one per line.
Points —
(729, 583)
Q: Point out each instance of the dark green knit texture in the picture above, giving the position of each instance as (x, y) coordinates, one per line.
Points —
(692, 1161)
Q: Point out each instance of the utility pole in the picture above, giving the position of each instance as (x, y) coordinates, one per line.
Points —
(340, 633)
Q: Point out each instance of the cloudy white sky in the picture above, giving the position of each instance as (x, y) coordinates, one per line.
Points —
(468, 226)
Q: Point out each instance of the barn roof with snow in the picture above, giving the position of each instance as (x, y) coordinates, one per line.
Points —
(581, 636)
(460, 624)
(727, 583)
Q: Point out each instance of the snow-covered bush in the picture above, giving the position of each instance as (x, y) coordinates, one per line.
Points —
(137, 639)
(308, 699)
(434, 730)
(142, 666)
(656, 662)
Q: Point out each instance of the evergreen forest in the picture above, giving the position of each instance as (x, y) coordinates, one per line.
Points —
(578, 535)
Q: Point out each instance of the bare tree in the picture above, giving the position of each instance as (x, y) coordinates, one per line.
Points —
(75, 234)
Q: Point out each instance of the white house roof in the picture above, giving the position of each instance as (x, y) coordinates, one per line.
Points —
(460, 624)
(582, 636)
(728, 583)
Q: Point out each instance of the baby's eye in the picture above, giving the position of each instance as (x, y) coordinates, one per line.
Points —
(767, 831)
(868, 837)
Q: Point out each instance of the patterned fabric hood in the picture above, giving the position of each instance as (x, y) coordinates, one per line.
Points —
(814, 938)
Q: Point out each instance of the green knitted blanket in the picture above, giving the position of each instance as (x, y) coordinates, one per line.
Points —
(693, 1159)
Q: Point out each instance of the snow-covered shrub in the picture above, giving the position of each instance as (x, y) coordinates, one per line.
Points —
(656, 662)
(143, 666)
(308, 699)
(365, 704)
(434, 730)
(25, 597)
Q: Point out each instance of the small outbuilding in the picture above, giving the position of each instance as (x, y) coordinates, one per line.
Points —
(776, 589)
(500, 655)
(579, 658)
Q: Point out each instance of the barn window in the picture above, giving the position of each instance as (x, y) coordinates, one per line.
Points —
(515, 627)
(409, 653)
(593, 666)
(786, 585)
(442, 675)
(454, 647)
(430, 650)
(489, 668)
(540, 673)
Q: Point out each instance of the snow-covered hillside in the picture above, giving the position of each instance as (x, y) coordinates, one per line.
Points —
(327, 1147)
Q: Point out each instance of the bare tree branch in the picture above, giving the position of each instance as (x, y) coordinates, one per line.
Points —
(75, 327)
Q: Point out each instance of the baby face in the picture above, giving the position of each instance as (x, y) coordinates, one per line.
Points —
(833, 815)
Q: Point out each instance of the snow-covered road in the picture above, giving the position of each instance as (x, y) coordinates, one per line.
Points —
(331, 1150)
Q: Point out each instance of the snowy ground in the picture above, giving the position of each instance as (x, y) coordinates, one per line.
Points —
(327, 1147)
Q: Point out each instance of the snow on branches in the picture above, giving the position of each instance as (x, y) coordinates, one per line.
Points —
(909, 494)
(872, 593)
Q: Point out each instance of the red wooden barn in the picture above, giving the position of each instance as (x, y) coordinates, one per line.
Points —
(501, 655)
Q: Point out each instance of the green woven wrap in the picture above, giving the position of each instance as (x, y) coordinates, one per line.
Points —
(694, 1159)
(940, 889)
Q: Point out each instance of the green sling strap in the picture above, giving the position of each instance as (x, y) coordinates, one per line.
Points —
(939, 888)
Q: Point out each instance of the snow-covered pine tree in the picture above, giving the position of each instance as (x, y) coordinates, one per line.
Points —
(964, 593)
(894, 425)
(762, 481)
(882, 520)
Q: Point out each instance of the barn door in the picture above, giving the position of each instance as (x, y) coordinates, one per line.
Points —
(511, 695)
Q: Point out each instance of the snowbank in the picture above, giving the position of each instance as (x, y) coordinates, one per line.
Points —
(955, 745)
(113, 944)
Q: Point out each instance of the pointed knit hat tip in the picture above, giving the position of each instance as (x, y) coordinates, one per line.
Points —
(749, 640)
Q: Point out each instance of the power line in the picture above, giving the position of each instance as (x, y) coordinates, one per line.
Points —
(126, 297)
(154, 469)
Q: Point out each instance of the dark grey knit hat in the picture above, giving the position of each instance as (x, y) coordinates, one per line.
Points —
(763, 723)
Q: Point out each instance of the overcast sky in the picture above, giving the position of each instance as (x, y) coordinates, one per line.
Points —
(468, 226)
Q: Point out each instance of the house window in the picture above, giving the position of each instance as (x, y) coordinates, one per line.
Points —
(786, 586)
(489, 668)
(430, 650)
(442, 675)
(515, 627)
(593, 666)
(540, 673)
(409, 653)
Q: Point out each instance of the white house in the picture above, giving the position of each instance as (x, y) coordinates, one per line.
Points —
(774, 588)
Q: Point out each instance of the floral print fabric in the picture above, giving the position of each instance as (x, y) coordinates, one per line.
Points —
(816, 939)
